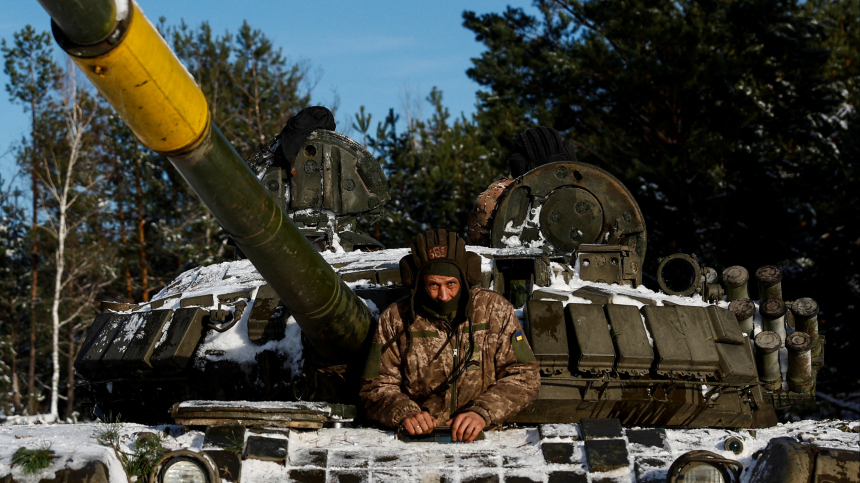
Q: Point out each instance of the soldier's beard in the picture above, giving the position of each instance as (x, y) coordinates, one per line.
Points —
(436, 309)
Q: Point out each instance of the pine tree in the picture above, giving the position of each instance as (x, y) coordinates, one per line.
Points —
(32, 77)
(831, 239)
(14, 291)
(252, 89)
(362, 124)
(435, 171)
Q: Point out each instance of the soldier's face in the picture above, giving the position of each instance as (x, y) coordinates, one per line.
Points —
(442, 288)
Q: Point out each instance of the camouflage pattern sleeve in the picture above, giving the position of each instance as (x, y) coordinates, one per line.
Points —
(517, 377)
(381, 380)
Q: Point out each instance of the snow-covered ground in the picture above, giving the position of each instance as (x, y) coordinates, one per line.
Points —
(377, 455)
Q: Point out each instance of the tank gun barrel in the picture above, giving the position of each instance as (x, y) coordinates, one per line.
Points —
(86, 22)
(129, 63)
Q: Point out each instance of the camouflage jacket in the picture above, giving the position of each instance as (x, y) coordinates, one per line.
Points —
(403, 377)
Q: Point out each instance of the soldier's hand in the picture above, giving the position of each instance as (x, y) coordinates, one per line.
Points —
(466, 426)
(419, 423)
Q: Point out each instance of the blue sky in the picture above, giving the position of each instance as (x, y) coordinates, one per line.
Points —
(372, 53)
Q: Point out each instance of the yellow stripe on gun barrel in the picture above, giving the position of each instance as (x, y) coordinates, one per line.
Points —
(150, 89)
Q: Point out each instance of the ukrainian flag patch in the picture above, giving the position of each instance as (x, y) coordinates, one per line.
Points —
(521, 348)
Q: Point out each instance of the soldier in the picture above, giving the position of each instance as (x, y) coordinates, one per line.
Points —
(451, 352)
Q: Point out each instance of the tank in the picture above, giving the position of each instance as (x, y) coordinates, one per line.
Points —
(564, 241)
(251, 350)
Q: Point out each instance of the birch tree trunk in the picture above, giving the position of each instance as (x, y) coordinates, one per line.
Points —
(62, 196)
(59, 260)
(62, 191)
(70, 373)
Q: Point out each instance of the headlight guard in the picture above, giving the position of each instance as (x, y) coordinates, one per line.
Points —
(704, 466)
(183, 464)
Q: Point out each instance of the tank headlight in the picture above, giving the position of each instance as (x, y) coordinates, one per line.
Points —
(185, 466)
(734, 445)
(183, 471)
(704, 467)
(700, 473)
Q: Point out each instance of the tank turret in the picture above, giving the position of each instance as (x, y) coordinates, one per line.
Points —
(330, 184)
